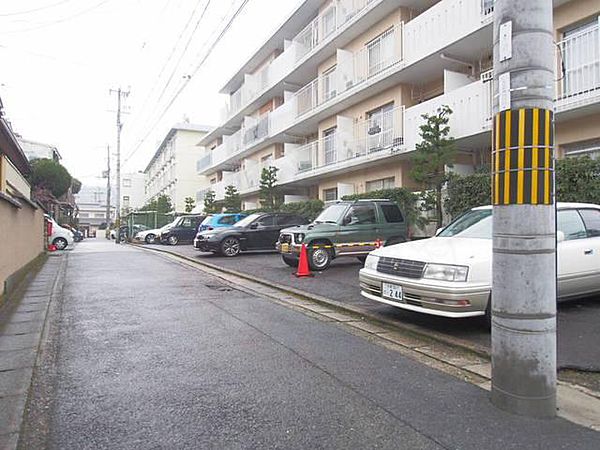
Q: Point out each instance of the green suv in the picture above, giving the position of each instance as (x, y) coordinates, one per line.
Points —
(345, 228)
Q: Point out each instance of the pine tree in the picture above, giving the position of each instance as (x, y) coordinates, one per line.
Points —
(433, 155)
(210, 205)
(189, 204)
(270, 197)
(232, 201)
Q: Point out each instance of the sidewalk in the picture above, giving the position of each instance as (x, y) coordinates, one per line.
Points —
(21, 328)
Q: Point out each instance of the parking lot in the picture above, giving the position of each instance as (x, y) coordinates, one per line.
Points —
(578, 329)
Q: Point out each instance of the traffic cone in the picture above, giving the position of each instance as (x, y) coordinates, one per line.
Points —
(303, 269)
(51, 248)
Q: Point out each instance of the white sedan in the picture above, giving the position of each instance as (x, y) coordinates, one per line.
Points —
(147, 236)
(450, 274)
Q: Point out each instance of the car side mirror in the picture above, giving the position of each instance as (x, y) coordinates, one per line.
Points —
(560, 236)
(346, 220)
(254, 226)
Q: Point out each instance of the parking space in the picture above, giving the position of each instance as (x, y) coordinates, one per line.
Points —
(578, 330)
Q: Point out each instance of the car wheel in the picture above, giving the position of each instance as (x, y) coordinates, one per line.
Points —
(292, 262)
(319, 259)
(60, 243)
(150, 239)
(173, 240)
(230, 246)
(362, 259)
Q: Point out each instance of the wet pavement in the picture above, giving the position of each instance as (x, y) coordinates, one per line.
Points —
(578, 330)
(147, 353)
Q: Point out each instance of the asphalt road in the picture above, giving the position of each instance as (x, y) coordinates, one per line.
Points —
(578, 329)
(152, 354)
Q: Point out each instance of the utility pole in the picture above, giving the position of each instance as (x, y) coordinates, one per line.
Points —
(108, 187)
(523, 306)
(120, 95)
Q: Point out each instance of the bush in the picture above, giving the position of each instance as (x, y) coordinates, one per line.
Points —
(50, 175)
(467, 191)
(578, 180)
(406, 199)
(309, 208)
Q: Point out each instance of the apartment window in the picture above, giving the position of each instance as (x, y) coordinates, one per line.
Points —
(126, 182)
(380, 52)
(99, 215)
(380, 128)
(328, 21)
(330, 195)
(378, 185)
(580, 49)
(83, 215)
(328, 84)
(329, 146)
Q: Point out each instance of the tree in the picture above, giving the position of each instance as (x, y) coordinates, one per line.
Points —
(232, 200)
(189, 204)
(433, 155)
(49, 175)
(210, 205)
(75, 186)
(162, 205)
(270, 197)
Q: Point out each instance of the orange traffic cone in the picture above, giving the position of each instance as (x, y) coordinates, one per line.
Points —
(51, 248)
(303, 269)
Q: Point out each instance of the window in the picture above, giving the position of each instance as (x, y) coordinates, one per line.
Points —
(378, 185)
(580, 48)
(99, 215)
(227, 220)
(380, 52)
(266, 221)
(187, 223)
(392, 213)
(329, 146)
(83, 215)
(571, 224)
(380, 128)
(289, 220)
(328, 21)
(330, 195)
(328, 84)
(360, 215)
(126, 182)
(591, 218)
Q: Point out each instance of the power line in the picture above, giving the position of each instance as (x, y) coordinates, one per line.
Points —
(41, 8)
(188, 78)
(56, 22)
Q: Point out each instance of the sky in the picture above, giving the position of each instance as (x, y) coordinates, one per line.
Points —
(59, 59)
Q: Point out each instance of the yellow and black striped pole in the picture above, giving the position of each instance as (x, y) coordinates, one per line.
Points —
(523, 162)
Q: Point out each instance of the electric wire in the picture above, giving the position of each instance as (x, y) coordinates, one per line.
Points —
(187, 79)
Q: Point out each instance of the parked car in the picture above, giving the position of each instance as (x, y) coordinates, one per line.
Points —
(77, 235)
(450, 275)
(147, 236)
(345, 228)
(182, 230)
(255, 232)
(213, 221)
(60, 237)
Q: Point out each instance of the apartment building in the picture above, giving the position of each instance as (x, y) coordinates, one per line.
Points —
(334, 99)
(38, 150)
(172, 169)
(133, 187)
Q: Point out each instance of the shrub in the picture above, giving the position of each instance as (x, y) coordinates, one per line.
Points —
(467, 191)
(309, 208)
(578, 180)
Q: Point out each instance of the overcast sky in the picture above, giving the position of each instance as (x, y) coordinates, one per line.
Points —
(59, 58)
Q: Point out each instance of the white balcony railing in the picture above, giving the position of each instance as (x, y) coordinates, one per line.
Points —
(258, 131)
(579, 68)
(376, 57)
(204, 162)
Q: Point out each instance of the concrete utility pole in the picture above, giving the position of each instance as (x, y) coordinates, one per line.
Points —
(120, 94)
(524, 240)
(108, 187)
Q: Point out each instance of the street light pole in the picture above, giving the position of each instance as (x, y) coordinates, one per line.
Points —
(120, 94)
(523, 306)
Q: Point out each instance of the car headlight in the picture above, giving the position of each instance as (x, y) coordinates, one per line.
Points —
(298, 237)
(371, 262)
(446, 272)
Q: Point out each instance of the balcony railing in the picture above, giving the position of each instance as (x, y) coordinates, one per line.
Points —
(579, 68)
(378, 56)
(258, 131)
(204, 162)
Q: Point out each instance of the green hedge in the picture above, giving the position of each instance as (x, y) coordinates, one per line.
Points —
(464, 192)
(309, 209)
(406, 199)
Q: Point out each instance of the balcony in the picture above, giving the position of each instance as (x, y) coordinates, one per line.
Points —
(204, 162)
(579, 69)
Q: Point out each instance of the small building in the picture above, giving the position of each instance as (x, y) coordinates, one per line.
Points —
(21, 219)
(172, 169)
(91, 204)
(38, 150)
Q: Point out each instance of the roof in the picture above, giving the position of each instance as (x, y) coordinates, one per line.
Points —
(182, 126)
(291, 26)
(11, 147)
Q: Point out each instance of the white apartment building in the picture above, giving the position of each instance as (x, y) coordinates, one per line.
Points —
(133, 191)
(38, 150)
(334, 98)
(172, 169)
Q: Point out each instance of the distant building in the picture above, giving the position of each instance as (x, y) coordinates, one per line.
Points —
(91, 201)
(172, 169)
(132, 191)
(39, 150)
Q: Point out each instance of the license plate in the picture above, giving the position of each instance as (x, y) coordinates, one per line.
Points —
(285, 248)
(392, 292)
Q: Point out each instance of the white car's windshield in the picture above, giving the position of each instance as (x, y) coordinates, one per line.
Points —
(476, 224)
(332, 214)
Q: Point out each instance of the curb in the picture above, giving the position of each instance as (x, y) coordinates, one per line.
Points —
(415, 329)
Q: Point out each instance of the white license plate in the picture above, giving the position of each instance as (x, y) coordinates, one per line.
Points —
(392, 292)
(285, 248)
